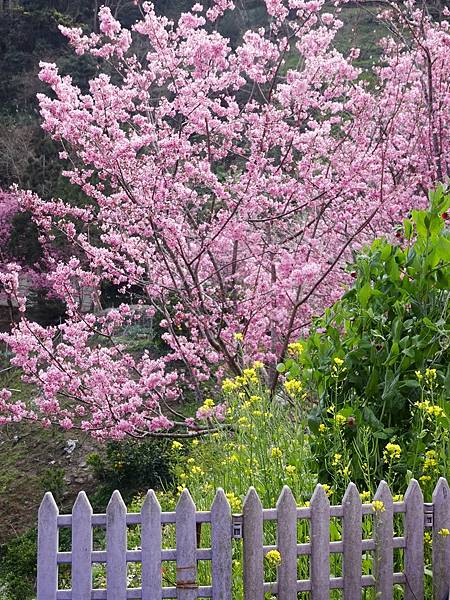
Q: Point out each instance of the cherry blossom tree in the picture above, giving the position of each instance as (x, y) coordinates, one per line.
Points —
(229, 186)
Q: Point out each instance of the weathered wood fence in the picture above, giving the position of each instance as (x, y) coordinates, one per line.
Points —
(225, 527)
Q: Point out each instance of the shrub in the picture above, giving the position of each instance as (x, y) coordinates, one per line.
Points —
(382, 351)
(131, 467)
(18, 567)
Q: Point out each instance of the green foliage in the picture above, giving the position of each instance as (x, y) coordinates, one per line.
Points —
(18, 567)
(131, 467)
(53, 481)
(365, 359)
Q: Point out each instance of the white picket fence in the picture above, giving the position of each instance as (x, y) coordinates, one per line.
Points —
(249, 526)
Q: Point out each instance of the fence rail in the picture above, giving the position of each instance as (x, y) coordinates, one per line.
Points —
(331, 565)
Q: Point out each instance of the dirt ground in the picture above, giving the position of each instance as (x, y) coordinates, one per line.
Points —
(30, 457)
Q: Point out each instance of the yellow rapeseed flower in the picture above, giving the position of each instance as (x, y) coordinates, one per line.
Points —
(430, 374)
(365, 496)
(338, 361)
(238, 337)
(444, 532)
(290, 469)
(208, 403)
(391, 452)
(228, 385)
(235, 502)
(258, 364)
(322, 428)
(273, 558)
(295, 348)
(276, 452)
(378, 506)
(197, 470)
(176, 445)
(336, 459)
(293, 386)
(195, 442)
(340, 419)
(327, 489)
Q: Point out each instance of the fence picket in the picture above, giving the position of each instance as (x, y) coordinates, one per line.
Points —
(352, 542)
(81, 548)
(151, 539)
(414, 542)
(221, 547)
(116, 548)
(320, 543)
(384, 547)
(287, 545)
(441, 543)
(47, 577)
(186, 539)
(253, 547)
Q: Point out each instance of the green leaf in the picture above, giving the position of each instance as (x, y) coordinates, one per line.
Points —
(364, 294)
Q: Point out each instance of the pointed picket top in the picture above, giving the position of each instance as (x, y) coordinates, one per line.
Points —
(82, 505)
(251, 500)
(441, 491)
(286, 499)
(413, 493)
(220, 505)
(185, 502)
(351, 495)
(48, 506)
(384, 495)
(116, 503)
(319, 498)
(151, 504)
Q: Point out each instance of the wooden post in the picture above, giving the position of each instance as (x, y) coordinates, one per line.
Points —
(47, 566)
(287, 545)
(116, 548)
(253, 547)
(151, 541)
(383, 535)
(186, 538)
(320, 545)
(221, 547)
(441, 543)
(352, 541)
(81, 548)
(414, 542)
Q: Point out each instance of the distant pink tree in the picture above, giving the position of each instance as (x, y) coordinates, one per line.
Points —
(229, 186)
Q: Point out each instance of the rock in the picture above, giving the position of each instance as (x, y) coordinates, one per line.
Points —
(70, 446)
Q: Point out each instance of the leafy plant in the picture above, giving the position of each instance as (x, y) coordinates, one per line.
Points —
(365, 359)
(131, 467)
(18, 567)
